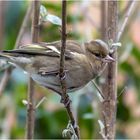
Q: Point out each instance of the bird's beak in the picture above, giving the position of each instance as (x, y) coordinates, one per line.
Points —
(108, 59)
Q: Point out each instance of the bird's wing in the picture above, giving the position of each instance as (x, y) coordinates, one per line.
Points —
(71, 45)
(40, 49)
(45, 71)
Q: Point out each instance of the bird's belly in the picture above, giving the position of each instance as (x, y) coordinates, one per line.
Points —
(53, 82)
(46, 80)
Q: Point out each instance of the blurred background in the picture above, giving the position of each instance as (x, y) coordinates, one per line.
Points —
(83, 24)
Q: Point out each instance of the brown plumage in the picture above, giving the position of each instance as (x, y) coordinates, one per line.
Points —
(83, 62)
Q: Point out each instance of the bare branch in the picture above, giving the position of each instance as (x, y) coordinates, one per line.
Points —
(24, 25)
(64, 97)
(31, 104)
(110, 85)
(126, 18)
(5, 79)
(62, 55)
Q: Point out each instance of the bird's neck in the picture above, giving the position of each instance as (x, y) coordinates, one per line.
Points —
(97, 65)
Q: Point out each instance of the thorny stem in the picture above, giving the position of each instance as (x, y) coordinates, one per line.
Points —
(64, 97)
(8, 71)
(31, 104)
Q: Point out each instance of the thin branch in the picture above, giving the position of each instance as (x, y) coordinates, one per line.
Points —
(24, 25)
(64, 97)
(127, 15)
(124, 11)
(31, 105)
(62, 55)
(7, 72)
(110, 85)
(5, 79)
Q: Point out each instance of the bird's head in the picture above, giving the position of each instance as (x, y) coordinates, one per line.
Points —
(100, 50)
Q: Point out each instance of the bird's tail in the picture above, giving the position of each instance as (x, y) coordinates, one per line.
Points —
(5, 55)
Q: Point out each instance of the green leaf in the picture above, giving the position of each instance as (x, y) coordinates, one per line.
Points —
(43, 12)
(45, 16)
(53, 19)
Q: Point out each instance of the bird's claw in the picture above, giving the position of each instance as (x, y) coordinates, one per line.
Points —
(65, 101)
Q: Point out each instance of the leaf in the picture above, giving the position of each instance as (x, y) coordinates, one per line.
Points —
(88, 116)
(43, 12)
(45, 16)
(54, 19)
(25, 102)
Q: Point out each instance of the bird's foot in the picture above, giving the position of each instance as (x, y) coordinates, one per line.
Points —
(66, 101)
(63, 77)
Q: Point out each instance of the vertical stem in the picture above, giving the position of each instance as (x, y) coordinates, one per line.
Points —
(24, 25)
(31, 104)
(63, 47)
(64, 97)
(109, 87)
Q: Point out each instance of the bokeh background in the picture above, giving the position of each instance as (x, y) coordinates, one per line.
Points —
(83, 24)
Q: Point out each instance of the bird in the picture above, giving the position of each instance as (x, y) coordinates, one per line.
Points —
(83, 62)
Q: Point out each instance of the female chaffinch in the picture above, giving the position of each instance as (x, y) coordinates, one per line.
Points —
(42, 61)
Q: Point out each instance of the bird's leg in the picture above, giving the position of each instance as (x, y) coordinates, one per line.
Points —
(64, 96)
(66, 101)
(63, 77)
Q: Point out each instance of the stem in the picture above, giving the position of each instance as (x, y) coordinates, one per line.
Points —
(127, 15)
(31, 104)
(24, 25)
(62, 55)
(64, 97)
(110, 85)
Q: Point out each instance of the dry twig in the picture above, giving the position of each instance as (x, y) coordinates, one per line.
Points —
(31, 104)
(127, 15)
(64, 97)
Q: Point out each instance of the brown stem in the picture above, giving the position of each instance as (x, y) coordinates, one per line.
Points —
(110, 85)
(64, 97)
(31, 100)
(7, 73)
(24, 25)
(127, 15)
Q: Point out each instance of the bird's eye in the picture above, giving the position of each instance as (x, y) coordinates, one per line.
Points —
(97, 54)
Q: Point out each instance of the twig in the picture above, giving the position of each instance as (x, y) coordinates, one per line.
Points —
(102, 98)
(62, 55)
(128, 13)
(24, 25)
(5, 79)
(110, 86)
(7, 72)
(64, 97)
(125, 9)
(122, 91)
(31, 104)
